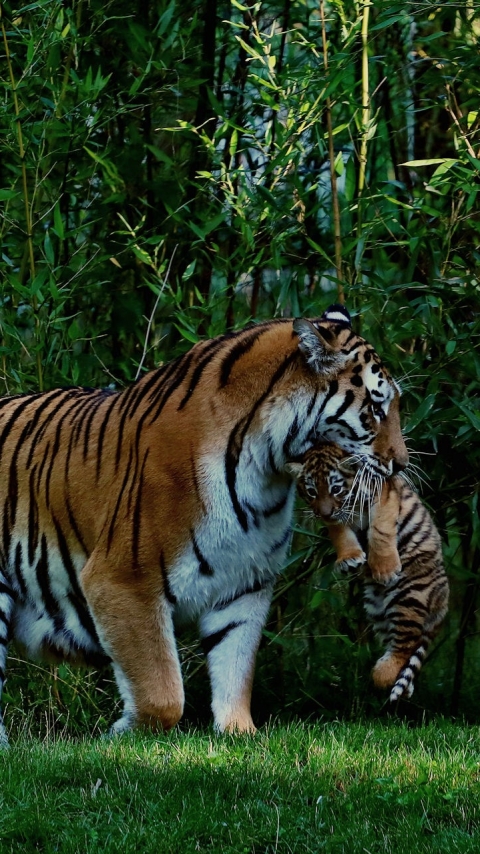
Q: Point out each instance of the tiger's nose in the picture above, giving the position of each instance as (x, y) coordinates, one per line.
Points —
(399, 465)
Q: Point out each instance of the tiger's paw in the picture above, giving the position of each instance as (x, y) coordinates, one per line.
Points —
(384, 567)
(237, 724)
(348, 564)
(382, 576)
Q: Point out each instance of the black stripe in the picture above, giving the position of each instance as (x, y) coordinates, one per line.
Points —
(41, 467)
(406, 520)
(74, 526)
(168, 383)
(56, 446)
(211, 641)
(42, 574)
(209, 350)
(88, 426)
(33, 531)
(84, 617)
(332, 391)
(312, 403)
(133, 480)
(6, 590)
(256, 587)
(166, 583)
(237, 436)
(137, 514)
(101, 434)
(67, 559)
(76, 597)
(18, 569)
(291, 435)
(19, 409)
(347, 402)
(196, 484)
(282, 541)
(121, 491)
(203, 565)
(248, 339)
(276, 508)
(65, 396)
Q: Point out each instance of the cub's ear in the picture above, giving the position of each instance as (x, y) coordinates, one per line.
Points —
(320, 346)
(295, 469)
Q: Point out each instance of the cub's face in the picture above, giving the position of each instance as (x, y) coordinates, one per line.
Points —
(325, 482)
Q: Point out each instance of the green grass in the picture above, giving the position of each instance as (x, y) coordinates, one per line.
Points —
(338, 787)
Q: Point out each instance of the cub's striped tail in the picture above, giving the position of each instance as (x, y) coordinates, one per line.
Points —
(404, 686)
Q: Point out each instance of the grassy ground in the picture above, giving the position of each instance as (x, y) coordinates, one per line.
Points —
(338, 787)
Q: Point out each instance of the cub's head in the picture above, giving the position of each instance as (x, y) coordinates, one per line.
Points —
(360, 409)
(325, 481)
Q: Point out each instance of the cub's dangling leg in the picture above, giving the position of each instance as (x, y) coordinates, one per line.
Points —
(7, 599)
(350, 555)
(134, 622)
(231, 635)
(383, 557)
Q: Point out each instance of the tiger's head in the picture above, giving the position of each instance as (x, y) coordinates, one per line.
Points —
(360, 411)
(325, 480)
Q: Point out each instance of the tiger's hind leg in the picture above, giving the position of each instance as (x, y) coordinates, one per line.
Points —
(397, 624)
(7, 598)
(135, 627)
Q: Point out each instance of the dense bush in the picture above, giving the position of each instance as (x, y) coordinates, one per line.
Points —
(166, 175)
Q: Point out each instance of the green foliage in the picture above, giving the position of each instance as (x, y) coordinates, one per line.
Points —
(165, 176)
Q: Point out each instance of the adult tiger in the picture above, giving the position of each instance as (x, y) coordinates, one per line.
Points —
(123, 511)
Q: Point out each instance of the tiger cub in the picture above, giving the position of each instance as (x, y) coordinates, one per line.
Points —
(405, 586)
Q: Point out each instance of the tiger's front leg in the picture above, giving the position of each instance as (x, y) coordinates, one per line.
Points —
(231, 635)
(134, 622)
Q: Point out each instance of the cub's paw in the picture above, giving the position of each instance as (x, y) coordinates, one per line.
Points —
(382, 576)
(349, 564)
(384, 567)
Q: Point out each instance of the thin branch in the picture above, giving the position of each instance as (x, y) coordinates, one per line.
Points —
(150, 320)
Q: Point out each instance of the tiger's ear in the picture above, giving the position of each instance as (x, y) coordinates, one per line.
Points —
(295, 469)
(320, 345)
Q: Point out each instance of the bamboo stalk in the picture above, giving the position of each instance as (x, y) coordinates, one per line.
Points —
(366, 113)
(28, 217)
(333, 174)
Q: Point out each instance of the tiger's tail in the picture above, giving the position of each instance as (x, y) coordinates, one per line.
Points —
(404, 686)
